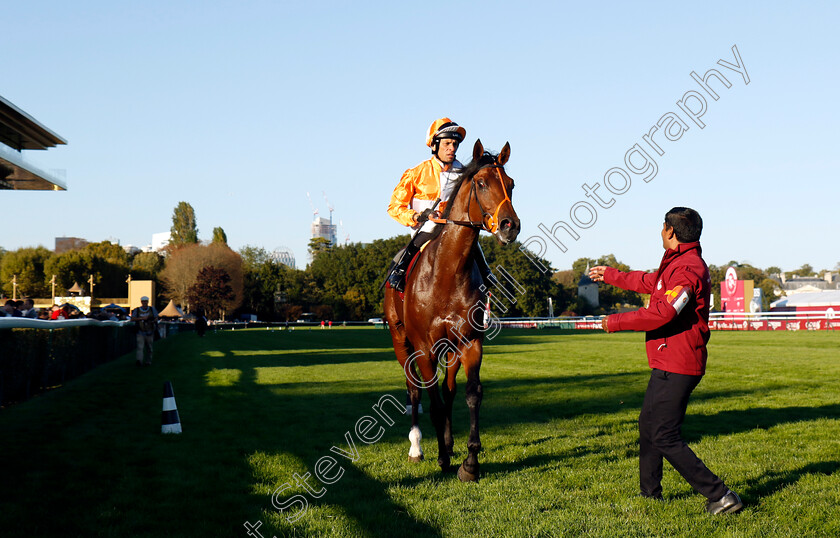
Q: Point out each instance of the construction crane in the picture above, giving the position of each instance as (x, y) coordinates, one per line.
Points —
(329, 206)
(334, 239)
(314, 211)
(341, 228)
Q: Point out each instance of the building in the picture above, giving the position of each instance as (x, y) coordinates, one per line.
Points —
(810, 284)
(19, 131)
(160, 240)
(818, 301)
(322, 227)
(283, 255)
(65, 244)
(588, 289)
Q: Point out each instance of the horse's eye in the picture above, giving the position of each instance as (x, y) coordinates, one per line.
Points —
(481, 184)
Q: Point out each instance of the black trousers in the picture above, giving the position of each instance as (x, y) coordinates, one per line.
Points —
(660, 436)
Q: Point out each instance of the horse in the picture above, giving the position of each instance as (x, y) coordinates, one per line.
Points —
(433, 323)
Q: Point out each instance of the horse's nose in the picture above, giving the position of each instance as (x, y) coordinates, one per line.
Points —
(509, 228)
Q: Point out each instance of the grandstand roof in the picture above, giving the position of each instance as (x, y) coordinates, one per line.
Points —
(20, 131)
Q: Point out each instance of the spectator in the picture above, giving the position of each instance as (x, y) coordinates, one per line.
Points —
(200, 323)
(10, 309)
(29, 310)
(145, 318)
(59, 312)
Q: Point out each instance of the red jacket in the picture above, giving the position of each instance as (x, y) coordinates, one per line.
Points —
(677, 318)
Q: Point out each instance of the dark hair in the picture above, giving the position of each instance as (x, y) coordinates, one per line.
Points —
(686, 223)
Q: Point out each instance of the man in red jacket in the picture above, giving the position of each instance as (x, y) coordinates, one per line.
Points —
(676, 323)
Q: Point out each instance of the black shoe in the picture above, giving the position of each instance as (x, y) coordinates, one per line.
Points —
(397, 279)
(727, 504)
(652, 497)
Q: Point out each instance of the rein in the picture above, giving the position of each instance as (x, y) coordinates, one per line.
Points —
(488, 222)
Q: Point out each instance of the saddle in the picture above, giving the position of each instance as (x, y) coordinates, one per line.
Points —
(408, 270)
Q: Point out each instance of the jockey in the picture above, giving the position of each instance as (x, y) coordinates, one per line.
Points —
(419, 191)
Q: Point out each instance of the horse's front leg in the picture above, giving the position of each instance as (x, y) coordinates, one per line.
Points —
(468, 471)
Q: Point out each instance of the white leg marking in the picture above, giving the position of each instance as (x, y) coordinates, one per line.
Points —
(414, 436)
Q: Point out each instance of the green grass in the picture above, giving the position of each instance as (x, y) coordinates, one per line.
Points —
(558, 430)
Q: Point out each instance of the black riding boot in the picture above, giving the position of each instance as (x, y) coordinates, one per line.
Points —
(487, 275)
(397, 277)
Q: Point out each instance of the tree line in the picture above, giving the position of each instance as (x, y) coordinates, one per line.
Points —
(341, 282)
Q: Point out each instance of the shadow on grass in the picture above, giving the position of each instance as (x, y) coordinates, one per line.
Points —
(769, 483)
(742, 420)
(306, 426)
(311, 358)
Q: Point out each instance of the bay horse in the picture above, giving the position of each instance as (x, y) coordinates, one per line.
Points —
(433, 324)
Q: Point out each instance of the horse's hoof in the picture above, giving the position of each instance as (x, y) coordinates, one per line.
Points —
(466, 476)
(415, 459)
(444, 464)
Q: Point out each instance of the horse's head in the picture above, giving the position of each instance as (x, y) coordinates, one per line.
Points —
(492, 189)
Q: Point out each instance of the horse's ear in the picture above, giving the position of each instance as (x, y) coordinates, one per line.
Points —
(504, 155)
(478, 150)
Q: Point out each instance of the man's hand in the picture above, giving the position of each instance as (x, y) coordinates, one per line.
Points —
(424, 216)
(604, 324)
(597, 273)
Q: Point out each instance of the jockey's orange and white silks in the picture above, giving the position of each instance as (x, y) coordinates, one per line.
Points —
(419, 187)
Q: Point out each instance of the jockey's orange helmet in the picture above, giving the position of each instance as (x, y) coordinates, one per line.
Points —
(445, 128)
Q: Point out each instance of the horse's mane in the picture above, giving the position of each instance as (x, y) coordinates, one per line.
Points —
(468, 172)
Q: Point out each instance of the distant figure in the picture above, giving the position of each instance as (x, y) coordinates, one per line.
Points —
(59, 312)
(145, 318)
(676, 323)
(10, 309)
(29, 310)
(200, 323)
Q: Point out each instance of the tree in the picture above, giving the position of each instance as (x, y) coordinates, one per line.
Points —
(105, 261)
(184, 229)
(219, 235)
(27, 264)
(183, 265)
(211, 291)
(317, 245)
(805, 270)
(146, 265)
(538, 286)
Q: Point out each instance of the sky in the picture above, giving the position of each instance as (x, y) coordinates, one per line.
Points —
(242, 108)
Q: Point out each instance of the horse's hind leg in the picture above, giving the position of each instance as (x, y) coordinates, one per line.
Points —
(403, 349)
(415, 453)
(449, 390)
(468, 472)
(428, 368)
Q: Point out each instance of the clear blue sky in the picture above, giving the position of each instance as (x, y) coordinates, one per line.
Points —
(241, 108)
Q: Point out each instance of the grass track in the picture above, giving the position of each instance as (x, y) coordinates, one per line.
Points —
(558, 430)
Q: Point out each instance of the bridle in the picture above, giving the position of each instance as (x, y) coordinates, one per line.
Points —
(489, 222)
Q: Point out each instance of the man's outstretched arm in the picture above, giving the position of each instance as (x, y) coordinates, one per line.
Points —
(638, 281)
